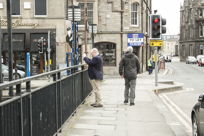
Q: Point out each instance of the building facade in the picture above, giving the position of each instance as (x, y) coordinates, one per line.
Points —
(31, 20)
(171, 43)
(119, 23)
(191, 41)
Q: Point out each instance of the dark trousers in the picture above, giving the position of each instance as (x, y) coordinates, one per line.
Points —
(130, 90)
(150, 69)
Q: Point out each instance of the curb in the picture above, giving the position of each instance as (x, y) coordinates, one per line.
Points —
(171, 88)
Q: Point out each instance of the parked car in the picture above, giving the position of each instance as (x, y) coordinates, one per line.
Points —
(191, 60)
(5, 72)
(20, 67)
(197, 117)
(199, 56)
(201, 62)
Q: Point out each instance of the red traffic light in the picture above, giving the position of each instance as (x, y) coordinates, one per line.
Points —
(156, 20)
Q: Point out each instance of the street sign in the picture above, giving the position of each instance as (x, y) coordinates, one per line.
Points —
(77, 13)
(156, 42)
(135, 39)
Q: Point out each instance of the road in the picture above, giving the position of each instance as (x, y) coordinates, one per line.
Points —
(182, 101)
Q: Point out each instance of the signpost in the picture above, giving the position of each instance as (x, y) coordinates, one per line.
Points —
(156, 44)
(74, 15)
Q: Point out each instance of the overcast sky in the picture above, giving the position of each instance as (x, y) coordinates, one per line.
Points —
(169, 9)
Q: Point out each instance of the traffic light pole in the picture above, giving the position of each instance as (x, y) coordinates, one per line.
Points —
(156, 66)
(48, 50)
(1, 78)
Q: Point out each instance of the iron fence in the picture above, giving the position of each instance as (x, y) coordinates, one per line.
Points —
(43, 111)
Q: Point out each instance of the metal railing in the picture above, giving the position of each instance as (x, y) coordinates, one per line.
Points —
(42, 111)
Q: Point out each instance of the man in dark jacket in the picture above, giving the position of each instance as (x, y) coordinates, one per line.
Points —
(95, 71)
(129, 67)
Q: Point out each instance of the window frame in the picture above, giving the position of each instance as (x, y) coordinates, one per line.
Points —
(19, 10)
(41, 16)
(131, 14)
(82, 10)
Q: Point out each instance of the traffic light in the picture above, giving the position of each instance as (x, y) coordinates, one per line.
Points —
(163, 28)
(45, 45)
(40, 46)
(155, 27)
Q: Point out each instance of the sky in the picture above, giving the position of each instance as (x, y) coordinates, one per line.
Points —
(169, 9)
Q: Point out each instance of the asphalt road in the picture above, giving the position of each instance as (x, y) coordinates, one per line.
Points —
(183, 101)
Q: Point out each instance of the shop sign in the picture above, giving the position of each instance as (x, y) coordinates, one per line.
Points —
(135, 39)
(19, 23)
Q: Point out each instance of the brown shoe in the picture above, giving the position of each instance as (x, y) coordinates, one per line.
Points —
(98, 105)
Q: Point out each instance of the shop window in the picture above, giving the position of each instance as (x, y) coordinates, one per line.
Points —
(108, 52)
(15, 7)
(40, 7)
(89, 13)
(34, 40)
(134, 13)
(18, 42)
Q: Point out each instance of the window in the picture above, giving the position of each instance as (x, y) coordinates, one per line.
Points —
(40, 7)
(201, 30)
(108, 52)
(134, 14)
(201, 12)
(89, 13)
(15, 7)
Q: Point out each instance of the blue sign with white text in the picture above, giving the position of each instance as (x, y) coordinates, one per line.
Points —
(135, 39)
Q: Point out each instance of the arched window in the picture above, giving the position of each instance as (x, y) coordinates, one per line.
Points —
(134, 13)
(108, 52)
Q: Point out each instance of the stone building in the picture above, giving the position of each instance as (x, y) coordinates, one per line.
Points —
(171, 43)
(191, 28)
(32, 19)
(119, 23)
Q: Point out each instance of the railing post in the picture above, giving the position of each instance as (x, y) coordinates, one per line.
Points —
(18, 92)
(18, 89)
(82, 77)
(28, 89)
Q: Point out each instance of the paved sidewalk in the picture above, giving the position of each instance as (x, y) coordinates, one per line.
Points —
(117, 119)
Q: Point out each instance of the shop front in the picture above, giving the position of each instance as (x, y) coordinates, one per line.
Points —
(26, 40)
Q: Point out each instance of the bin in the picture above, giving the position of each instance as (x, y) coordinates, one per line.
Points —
(162, 64)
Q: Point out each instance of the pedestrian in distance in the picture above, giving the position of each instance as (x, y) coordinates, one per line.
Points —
(129, 67)
(150, 66)
(95, 71)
